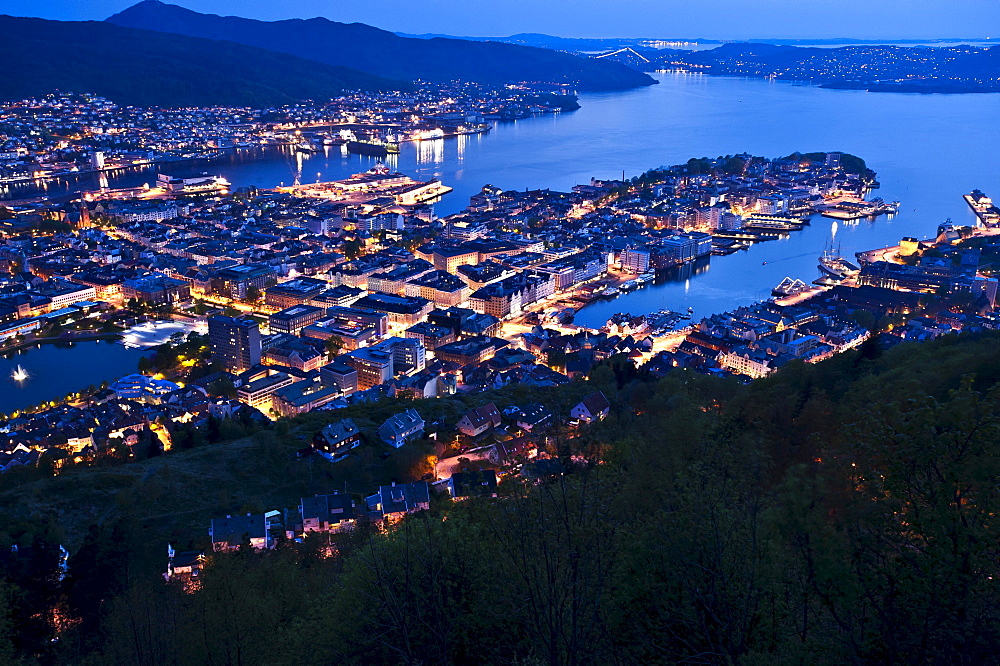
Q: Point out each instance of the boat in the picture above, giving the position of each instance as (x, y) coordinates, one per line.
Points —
(629, 286)
(610, 291)
(566, 316)
(646, 278)
(835, 266)
(373, 147)
(762, 222)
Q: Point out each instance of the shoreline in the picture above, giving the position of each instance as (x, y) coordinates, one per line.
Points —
(27, 344)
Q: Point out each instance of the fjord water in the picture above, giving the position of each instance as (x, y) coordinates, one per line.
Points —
(928, 150)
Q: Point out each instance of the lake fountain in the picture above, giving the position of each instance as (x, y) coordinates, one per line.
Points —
(19, 375)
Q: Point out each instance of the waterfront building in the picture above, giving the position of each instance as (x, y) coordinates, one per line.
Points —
(19, 327)
(681, 248)
(635, 260)
(195, 185)
(142, 388)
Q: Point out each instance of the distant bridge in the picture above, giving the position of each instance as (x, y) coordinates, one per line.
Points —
(625, 51)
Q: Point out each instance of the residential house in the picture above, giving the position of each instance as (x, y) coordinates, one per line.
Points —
(481, 483)
(327, 513)
(592, 408)
(232, 532)
(401, 428)
(337, 438)
(397, 500)
(479, 420)
(533, 417)
(184, 566)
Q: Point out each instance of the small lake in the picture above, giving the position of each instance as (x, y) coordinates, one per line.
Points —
(56, 370)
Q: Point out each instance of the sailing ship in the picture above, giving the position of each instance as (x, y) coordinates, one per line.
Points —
(832, 265)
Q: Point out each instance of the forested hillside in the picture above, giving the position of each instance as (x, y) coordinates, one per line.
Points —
(385, 54)
(833, 513)
(146, 68)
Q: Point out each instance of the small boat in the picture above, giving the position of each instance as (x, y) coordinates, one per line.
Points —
(610, 291)
(629, 286)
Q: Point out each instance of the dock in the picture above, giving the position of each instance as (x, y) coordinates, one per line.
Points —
(982, 206)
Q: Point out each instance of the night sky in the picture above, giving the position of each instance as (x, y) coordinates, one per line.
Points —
(721, 19)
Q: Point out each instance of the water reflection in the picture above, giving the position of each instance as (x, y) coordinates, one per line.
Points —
(430, 151)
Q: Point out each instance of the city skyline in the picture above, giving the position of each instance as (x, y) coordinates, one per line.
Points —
(760, 19)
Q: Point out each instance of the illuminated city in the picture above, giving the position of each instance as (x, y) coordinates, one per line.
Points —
(393, 347)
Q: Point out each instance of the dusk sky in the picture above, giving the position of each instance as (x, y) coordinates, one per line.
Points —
(725, 19)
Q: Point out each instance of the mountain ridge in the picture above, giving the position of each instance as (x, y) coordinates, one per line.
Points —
(149, 68)
(386, 54)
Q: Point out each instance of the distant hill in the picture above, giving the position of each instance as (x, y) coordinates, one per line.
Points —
(883, 68)
(386, 54)
(141, 67)
(575, 44)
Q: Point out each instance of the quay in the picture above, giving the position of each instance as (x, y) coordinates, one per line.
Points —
(982, 206)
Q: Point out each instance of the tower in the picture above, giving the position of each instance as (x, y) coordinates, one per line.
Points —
(235, 343)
